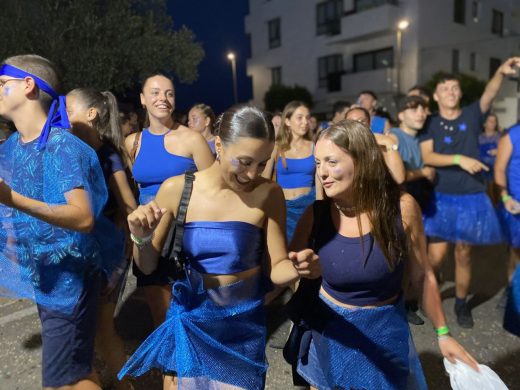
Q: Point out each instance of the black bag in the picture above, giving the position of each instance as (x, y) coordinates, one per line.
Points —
(172, 256)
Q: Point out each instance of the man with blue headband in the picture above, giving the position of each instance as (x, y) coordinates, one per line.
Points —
(52, 192)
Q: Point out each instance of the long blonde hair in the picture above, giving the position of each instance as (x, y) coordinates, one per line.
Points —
(285, 135)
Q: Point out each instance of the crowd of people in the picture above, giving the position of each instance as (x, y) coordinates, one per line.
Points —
(216, 215)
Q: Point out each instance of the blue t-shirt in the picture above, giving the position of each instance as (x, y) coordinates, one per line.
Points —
(111, 163)
(409, 149)
(457, 136)
(513, 167)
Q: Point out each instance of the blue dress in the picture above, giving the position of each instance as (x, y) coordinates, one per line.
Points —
(212, 337)
(44, 262)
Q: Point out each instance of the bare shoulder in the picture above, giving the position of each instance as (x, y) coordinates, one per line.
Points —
(129, 141)
(170, 192)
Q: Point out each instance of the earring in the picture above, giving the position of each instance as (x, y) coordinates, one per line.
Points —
(217, 157)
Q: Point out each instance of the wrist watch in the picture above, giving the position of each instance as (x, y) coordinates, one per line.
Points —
(392, 147)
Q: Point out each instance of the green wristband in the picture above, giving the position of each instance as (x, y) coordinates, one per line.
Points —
(506, 197)
(456, 159)
(443, 330)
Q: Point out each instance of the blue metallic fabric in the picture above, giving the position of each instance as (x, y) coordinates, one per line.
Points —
(510, 226)
(40, 261)
(512, 313)
(295, 209)
(469, 218)
(213, 337)
(362, 348)
(238, 248)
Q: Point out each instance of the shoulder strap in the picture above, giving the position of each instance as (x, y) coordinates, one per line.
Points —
(189, 177)
(319, 207)
(135, 145)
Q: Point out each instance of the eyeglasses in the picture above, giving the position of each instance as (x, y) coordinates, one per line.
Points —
(4, 82)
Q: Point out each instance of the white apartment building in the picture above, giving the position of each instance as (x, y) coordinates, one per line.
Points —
(337, 48)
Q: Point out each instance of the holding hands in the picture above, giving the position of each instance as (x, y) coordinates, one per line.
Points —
(306, 263)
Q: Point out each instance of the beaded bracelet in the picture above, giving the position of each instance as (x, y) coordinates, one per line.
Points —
(456, 159)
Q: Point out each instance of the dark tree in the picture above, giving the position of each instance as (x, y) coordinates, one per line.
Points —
(279, 95)
(105, 44)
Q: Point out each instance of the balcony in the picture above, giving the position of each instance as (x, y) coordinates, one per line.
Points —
(367, 23)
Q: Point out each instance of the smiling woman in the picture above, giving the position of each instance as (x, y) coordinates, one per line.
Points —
(214, 335)
(162, 150)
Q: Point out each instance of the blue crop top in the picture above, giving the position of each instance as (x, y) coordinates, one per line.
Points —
(298, 172)
(154, 164)
(223, 248)
(351, 274)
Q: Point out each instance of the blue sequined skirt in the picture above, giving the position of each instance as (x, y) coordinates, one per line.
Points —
(469, 218)
(510, 226)
(295, 209)
(512, 313)
(363, 348)
(211, 338)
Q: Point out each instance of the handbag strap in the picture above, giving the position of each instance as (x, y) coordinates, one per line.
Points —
(133, 153)
(189, 177)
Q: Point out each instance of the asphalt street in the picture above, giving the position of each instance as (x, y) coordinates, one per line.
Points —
(20, 338)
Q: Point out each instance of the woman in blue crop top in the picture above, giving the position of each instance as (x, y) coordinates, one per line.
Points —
(507, 179)
(368, 236)
(201, 118)
(162, 150)
(214, 335)
(293, 162)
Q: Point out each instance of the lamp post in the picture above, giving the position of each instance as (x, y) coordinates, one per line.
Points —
(401, 26)
(231, 57)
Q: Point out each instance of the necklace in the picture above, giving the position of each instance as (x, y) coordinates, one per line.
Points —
(343, 209)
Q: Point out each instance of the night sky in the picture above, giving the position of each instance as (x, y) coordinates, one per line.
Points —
(219, 26)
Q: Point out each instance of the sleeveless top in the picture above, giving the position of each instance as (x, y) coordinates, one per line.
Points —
(513, 168)
(354, 269)
(223, 248)
(297, 173)
(154, 164)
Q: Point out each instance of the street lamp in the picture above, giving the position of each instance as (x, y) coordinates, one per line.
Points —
(401, 26)
(231, 57)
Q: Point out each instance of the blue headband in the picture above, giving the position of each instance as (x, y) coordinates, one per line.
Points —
(57, 113)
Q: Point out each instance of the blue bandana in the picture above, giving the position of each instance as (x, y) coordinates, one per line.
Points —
(57, 113)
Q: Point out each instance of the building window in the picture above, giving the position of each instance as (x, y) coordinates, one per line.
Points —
(455, 61)
(473, 62)
(328, 17)
(459, 11)
(377, 59)
(497, 24)
(361, 5)
(494, 64)
(475, 10)
(330, 70)
(274, 33)
(276, 75)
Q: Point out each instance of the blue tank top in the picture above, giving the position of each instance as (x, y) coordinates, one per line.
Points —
(154, 164)
(223, 248)
(353, 274)
(297, 173)
(513, 168)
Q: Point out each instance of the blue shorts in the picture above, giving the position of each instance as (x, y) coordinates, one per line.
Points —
(68, 339)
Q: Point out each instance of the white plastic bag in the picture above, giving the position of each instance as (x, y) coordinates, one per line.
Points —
(463, 377)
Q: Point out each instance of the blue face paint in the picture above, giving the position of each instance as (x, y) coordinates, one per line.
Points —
(6, 91)
(235, 162)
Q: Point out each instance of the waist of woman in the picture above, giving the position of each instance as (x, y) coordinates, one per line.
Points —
(385, 302)
(293, 193)
(219, 280)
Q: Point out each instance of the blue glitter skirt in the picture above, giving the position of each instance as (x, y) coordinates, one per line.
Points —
(363, 349)
(211, 338)
(512, 313)
(469, 218)
(510, 226)
(295, 209)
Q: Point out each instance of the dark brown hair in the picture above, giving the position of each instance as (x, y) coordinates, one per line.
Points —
(244, 121)
(285, 135)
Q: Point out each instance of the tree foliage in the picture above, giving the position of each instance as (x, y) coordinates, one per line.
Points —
(472, 88)
(279, 95)
(105, 44)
